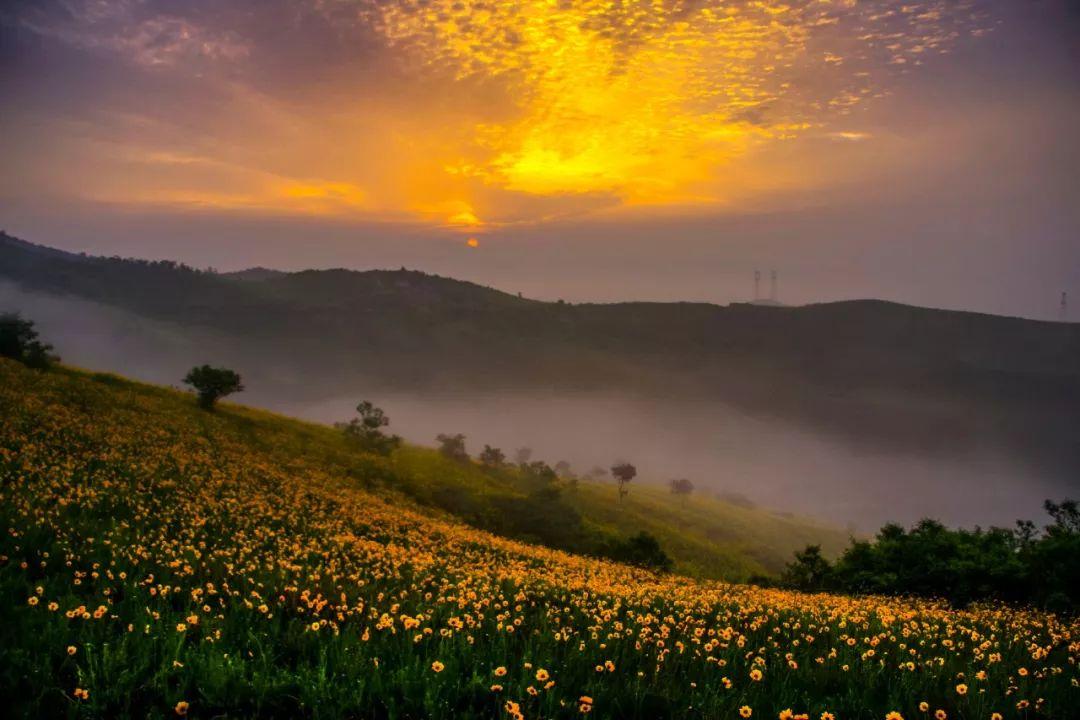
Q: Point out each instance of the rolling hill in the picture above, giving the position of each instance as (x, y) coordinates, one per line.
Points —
(162, 561)
(705, 537)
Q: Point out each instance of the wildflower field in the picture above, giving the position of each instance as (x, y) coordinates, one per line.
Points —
(161, 561)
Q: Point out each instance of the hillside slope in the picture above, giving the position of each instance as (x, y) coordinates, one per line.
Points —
(158, 561)
(704, 536)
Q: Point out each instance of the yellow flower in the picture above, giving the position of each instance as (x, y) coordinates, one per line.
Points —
(745, 711)
(500, 671)
(437, 666)
(827, 716)
(941, 715)
(71, 650)
(755, 675)
(961, 689)
(894, 716)
(786, 714)
(924, 706)
(182, 707)
(32, 600)
(181, 627)
(81, 694)
(542, 675)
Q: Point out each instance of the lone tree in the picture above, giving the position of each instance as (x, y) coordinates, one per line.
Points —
(453, 446)
(681, 487)
(492, 457)
(366, 430)
(623, 473)
(19, 341)
(212, 384)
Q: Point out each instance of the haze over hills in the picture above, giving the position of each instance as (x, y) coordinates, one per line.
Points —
(645, 347)
(877, 378)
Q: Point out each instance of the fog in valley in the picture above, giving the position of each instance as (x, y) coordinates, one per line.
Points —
(852, 479)
(780, 465)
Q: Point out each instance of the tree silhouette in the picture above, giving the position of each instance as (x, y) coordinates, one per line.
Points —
(366, 430)
(492, 457)
(212, 384)
(19, 341)
(453, 446)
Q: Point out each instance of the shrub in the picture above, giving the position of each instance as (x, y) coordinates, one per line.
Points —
(366, 430)
(19, 341)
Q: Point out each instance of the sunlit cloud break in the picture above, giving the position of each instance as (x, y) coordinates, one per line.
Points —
(492, 113)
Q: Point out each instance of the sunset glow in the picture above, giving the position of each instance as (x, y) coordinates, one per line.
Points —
(469, 115)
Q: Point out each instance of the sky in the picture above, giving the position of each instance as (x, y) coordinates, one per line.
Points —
(922, 151)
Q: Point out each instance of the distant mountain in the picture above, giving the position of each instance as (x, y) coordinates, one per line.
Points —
(254, 274)
(848, 365)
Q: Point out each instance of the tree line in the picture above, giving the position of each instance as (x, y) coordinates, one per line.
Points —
(1025, 564)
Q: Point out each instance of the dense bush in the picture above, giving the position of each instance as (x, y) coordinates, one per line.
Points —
(19, 341)
(962, 566)
(642, 550)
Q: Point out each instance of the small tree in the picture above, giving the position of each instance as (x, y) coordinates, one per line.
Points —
(212, 384)
(19, 341)
(623, 473)
(597, 473)
(523, 455)
(681, 487)
(563, 470)
(492, 457)
(366, 430)
(453, 446)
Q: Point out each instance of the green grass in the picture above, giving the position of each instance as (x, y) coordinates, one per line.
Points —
(705, 537)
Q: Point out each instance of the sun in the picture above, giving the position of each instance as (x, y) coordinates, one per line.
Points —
(472, 242)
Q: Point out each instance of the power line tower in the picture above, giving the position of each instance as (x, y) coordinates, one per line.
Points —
(772, 286)
(757, 285)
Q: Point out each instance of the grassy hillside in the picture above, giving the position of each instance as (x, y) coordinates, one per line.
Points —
(704, 537)
(159, 561)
